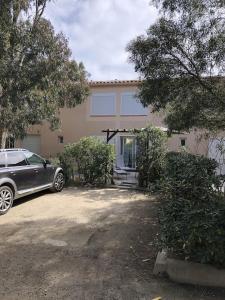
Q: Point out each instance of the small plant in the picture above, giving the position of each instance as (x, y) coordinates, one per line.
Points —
(90, 158)
(151, 151)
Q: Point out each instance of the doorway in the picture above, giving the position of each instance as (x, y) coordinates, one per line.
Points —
(128, 151)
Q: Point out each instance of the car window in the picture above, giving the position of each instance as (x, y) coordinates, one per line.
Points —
(16, 159)
(2, 160)
(34, 159)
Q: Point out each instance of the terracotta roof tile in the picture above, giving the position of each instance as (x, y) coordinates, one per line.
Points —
(114, 82)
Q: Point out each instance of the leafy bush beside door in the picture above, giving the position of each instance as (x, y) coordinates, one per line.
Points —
(151, 151)
(91, 158)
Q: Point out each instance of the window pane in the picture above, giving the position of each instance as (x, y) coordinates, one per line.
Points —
(128, 149)
(183, 142)
(16, 159)
(2, 160)
(34, 159)
(60, 139)
(131, 106)
(103, 104)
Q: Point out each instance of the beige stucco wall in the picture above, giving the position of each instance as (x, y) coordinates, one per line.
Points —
(77, 122)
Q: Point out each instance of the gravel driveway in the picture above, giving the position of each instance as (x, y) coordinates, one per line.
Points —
(85, 244)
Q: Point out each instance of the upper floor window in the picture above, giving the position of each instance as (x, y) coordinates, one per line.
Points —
(103, 104)
(131, 106)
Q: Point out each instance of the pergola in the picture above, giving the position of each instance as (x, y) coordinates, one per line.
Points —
(110, 133)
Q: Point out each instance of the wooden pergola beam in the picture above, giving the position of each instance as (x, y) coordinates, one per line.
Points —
(112, 132)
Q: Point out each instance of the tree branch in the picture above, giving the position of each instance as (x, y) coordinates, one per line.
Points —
(39, 10)
(196, 76)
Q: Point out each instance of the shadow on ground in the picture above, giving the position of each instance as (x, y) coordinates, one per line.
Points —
(109, 253)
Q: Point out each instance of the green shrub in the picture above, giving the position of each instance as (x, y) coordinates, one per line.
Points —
(151, 150)
(197, 172)
(193, 211)
(68, 163)
(91, 158)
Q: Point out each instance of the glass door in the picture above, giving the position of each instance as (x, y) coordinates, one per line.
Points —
(128, 151)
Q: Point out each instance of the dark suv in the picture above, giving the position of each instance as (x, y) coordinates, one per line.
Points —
(22, 173)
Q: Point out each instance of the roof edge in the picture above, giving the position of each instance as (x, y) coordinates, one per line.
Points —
(114, 82)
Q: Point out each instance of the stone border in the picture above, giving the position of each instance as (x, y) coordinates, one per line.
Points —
(189, 272)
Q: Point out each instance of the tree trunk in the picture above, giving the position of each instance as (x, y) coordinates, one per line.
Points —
(1, 134)
(3, 137)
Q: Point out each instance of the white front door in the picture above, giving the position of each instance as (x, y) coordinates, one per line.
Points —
(32, 143)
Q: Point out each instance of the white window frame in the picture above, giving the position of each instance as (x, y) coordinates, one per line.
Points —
(145, 109)
(93, 113)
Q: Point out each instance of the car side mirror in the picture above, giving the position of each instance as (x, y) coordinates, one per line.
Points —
(46, 162)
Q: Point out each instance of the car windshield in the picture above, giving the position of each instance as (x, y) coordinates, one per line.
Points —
(34, 159)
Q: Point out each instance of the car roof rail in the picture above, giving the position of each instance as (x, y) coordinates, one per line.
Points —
(13, 149)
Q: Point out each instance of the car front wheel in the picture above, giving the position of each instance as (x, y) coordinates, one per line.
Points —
(58, 183)
(6, 199)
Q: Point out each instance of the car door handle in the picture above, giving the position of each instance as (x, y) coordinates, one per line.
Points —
(36, 171)
(13, 173)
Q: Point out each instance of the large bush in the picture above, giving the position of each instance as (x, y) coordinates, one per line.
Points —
(193, 212)
(90, 158)
(151, 150)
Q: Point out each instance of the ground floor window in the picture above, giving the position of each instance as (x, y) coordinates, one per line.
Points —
(183, 142)
(60, 139)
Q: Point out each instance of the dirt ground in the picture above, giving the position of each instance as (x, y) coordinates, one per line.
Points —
(85, 244)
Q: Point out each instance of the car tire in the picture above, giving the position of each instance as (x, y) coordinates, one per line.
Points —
(6, 199)
(58, 184)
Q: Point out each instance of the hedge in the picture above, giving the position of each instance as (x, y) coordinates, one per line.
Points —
(192, 217)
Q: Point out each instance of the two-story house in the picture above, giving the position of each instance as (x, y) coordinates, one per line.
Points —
(111, 105)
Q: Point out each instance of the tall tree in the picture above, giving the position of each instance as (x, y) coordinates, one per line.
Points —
(37, 74)
(182, 62)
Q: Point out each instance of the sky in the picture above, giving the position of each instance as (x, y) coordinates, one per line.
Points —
(99, 31)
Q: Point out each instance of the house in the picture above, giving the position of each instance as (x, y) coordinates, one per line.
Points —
(111, 104)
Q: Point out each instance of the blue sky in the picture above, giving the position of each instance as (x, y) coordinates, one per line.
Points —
(99, 30)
